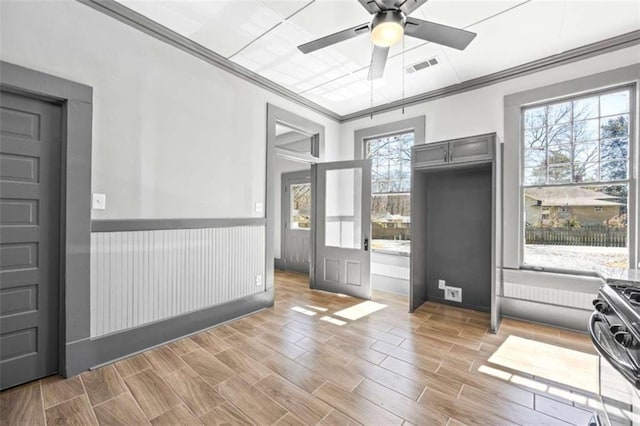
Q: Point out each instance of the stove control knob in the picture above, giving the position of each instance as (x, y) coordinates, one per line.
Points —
(625, 339)
(601, 307)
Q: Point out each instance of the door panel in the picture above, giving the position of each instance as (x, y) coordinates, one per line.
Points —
(30, 137)
(296, 211)
(343, 227)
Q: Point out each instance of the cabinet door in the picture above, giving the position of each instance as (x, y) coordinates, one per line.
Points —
(471, 149)
(430, 154)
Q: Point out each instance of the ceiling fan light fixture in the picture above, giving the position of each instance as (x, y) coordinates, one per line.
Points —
(387, 28)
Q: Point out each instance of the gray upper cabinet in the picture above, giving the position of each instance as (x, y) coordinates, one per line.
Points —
(432, 154)
(466, 150)
(478, 148)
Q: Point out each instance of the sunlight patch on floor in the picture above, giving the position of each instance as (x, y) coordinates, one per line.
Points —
(303, 311)
(317, 308)
(572, 368)
(333, 321)
(360, 310)
(570, 396)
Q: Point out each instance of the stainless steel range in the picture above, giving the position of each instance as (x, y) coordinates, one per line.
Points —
(615, 331)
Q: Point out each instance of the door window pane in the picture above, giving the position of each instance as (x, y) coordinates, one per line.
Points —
(300, 206)
(343, 208)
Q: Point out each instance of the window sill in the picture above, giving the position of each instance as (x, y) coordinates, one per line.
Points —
(558, 271)
(391, 252)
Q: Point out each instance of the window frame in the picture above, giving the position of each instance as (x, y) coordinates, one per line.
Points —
(416, 124)
(631, 180)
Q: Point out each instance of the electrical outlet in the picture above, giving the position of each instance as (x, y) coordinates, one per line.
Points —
(442, 284)
(259, 207)
(258, 280)
(99, 201)
(453, 293)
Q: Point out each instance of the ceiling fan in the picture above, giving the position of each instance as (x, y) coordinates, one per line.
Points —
(390, 22)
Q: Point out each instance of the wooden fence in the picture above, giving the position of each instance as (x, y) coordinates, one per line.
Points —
(598, 236)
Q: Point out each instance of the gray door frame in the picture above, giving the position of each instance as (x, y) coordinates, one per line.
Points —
(75, 204)
(289, 178)
(277, 114)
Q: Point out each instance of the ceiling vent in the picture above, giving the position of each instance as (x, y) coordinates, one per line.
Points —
(422, 65)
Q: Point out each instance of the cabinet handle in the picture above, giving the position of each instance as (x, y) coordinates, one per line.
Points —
(450, 154)
(445, 154)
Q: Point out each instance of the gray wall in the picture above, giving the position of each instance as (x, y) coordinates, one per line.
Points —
(459, 234)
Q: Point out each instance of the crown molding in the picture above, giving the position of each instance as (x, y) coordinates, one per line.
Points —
(134, 19)
(567, 57)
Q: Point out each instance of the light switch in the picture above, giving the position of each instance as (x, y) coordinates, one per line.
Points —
(99, 201)
(259, 208)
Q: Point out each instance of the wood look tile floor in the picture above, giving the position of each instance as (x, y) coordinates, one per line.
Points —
(301, 363)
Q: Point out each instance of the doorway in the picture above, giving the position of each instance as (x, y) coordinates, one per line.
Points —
(339, 257)
(295, 216)
(30, 157)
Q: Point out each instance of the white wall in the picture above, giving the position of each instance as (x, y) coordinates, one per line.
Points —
(173, 136)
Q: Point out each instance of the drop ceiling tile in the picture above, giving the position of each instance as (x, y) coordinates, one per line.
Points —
(431, 78)
(461, 13)
(223, 26)
(165, 13)
(277, 53)
(529, 32)
(324, 17)
(624, 17)
(286, 8)
(347, 94)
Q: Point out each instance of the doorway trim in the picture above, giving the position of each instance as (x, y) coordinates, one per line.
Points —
(75, 204)
(277, 114)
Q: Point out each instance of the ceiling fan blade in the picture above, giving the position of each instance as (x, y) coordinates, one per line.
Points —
(378, 62)
(438, 33)
(371, 6)
(409, 6)
(334, 38)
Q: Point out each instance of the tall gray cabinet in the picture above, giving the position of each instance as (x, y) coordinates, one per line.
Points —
(453, 222)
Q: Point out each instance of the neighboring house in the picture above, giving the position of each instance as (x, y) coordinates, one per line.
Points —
(586, 206)
(391, 227)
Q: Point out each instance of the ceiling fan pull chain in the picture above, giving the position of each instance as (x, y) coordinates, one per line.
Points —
(403, 74)
(371, 81)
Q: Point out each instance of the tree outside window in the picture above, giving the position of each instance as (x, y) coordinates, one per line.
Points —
(576, 181)
(390, 187)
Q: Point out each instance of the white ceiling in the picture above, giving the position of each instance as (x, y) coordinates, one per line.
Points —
(262, 35)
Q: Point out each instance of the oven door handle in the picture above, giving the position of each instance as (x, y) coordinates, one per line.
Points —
(627, 370)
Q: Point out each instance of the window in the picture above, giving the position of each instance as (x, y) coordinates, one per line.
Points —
(576, 180)
(390, 187)
(300, 205)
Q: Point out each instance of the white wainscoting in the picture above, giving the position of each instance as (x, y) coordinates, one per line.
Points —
(552, 296)
(572, 291)
(390, 273)
(139, 277)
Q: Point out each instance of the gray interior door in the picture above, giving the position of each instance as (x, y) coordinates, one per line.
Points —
(342, 223)
(296, 220)
(30, 138)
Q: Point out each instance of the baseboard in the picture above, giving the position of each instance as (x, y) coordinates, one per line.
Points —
(390, 285)
(554, 315)
(87, 353)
